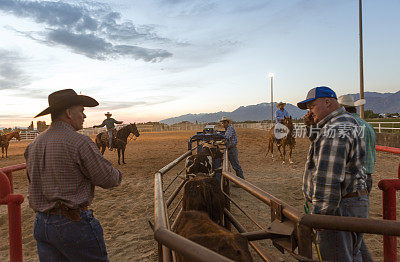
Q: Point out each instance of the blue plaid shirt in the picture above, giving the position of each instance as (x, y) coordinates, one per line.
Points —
(335, 162)
(231, 137)
(370, 142)
(279, 115)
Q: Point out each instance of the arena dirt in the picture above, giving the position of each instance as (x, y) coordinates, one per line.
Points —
(124, 211)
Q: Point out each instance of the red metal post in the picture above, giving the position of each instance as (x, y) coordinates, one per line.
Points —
(389, 187)
(8, 171)
(14, 217)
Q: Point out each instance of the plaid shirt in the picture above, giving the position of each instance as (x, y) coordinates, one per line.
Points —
(63, 165)
(280, 115)
(335, 162)
(370, 142)
(231, 136)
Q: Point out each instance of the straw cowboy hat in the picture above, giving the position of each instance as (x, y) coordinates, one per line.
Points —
(348, 101)
(224, 118)
(108, 114)
(66, 98)
(280, 103)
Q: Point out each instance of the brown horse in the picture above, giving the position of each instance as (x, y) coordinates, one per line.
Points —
(5, 141)
(287, 140)
(119, 142)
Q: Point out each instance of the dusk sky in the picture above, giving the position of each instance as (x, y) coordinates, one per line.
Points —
(153, 59)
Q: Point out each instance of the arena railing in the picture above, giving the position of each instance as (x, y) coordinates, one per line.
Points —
(289, 226)
(389, 188)
(13, 202)
(168, 241)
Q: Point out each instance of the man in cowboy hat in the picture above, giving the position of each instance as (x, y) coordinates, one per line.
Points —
(350, 105)
(281, 113)
(109, 123)
(232, 140)
(63, 167)
(334, 180)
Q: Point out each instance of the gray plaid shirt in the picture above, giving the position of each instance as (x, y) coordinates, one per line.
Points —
(334, 166)
(63, 165)
(231, 137)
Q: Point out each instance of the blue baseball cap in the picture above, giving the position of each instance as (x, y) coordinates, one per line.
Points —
(316, 92)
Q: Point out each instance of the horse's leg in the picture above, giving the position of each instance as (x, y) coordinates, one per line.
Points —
(6, 151)
(119, 156)
(103, 148)
(272, 148)
(279, 149)
(284, 152)
(290, 154)
(2, 152)
(123, 155)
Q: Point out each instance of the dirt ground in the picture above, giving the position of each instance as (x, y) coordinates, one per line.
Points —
(124, 211)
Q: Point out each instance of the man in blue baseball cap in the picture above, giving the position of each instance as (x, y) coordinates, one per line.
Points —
(334, 179)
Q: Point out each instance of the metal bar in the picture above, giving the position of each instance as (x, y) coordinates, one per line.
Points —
(304, 236)
(248, 216)
(190, 250)
(173, 180)
(352, 224)
(176, 208)
(168, 167)
(289, 211)
(388, 149)
(260, 235)
(175, 193)
(160, 217)
(13, 203)
(13, 168)
(173, 226)
(241, 229)
(8, 171)
(389, 187)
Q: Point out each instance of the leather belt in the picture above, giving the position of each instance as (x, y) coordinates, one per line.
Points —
(72, 214)
(357, 193)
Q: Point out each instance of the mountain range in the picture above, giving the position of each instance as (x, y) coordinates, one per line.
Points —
(377, 102)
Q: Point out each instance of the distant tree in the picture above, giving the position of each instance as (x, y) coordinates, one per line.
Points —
(370, 114)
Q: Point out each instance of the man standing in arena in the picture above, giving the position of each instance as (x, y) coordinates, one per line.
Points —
(334, 181)
(109, 123)
(232, 140)
(63, 167)
(350, 105)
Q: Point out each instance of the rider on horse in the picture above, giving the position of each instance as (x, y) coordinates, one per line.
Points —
(281, 113)
(109, 123)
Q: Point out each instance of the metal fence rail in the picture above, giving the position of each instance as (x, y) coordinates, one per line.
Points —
(304, 223)
(166, 238)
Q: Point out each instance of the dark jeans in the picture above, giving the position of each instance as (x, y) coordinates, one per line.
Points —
(233, 157)
(344, 246)
(60, 239)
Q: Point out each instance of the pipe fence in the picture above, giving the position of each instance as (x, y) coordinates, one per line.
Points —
(389, 188)
(13, 202)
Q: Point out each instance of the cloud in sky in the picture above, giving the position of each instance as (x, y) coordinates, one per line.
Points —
(11, 76)
(147, 101)
(90, 28)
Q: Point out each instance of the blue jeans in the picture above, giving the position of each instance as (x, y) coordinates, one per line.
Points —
(110, 138)
(60, 239)
(341, 245)
(233, 155)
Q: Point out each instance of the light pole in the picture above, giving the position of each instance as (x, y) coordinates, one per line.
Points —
(271, 76)
(361, 60)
